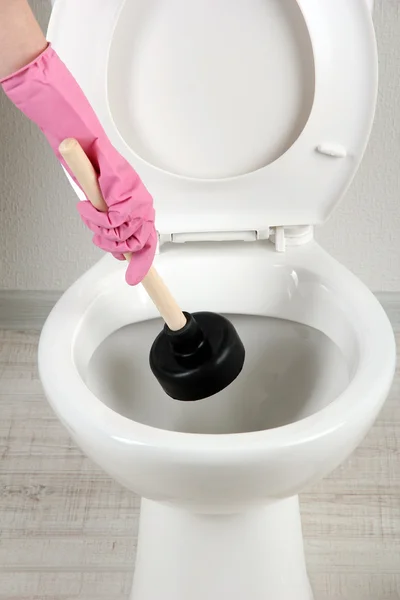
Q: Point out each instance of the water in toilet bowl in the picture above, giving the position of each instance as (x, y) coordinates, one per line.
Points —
(291, 372)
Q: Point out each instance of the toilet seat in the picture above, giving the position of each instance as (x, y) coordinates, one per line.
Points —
(304, 284)
(304, 184)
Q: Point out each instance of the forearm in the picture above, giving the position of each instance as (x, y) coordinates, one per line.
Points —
(46, 92)
(21, 39)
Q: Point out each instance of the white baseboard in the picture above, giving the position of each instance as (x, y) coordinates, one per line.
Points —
(21, 309)
(391, 304)
(29, 309)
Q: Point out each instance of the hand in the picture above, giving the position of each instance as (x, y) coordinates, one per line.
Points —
(120, 230)
(47, 93)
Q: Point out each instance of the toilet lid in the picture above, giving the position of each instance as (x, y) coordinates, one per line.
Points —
(237, 115)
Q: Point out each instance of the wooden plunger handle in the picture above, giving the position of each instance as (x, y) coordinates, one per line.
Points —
(84, 172)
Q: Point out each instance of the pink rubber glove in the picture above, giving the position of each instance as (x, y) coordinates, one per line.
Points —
(47, 93)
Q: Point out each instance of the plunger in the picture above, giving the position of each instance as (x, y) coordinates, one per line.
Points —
(195, 355)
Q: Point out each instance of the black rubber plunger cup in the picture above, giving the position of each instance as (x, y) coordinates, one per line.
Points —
(199, 360)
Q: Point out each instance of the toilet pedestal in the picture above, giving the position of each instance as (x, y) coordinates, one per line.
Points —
(255, 555)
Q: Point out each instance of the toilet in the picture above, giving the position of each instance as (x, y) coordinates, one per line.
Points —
(247, 121)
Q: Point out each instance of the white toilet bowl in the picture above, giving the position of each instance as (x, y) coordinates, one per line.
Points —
(221, 477)
(264, 161)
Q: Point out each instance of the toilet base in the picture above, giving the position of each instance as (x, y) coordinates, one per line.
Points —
(256, 554)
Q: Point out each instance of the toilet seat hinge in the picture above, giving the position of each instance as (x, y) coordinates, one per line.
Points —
(295, 235)
(213, 236)
(280, 236)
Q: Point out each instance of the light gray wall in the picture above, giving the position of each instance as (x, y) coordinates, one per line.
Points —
(43, 245)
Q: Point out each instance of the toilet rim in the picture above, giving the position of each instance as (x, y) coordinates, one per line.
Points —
(371, 381)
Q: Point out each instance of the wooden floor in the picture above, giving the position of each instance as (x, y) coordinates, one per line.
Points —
(68, 532)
